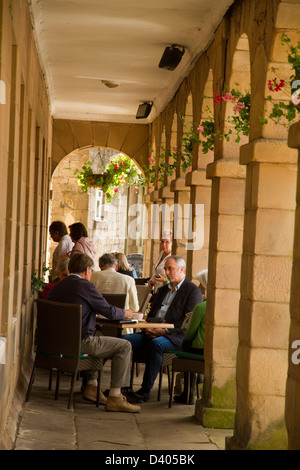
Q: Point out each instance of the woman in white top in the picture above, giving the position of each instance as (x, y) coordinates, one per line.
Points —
(159, 277)
(59, 233)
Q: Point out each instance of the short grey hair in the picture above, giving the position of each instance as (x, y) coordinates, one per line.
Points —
(108, 259)
(179, 261)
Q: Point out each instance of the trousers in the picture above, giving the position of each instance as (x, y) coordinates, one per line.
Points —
(116, 349)
(155, 349)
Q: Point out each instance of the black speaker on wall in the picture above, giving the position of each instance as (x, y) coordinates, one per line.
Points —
(144, 110)
(171, 57)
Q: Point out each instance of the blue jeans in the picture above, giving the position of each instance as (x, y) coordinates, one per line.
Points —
(155, 349)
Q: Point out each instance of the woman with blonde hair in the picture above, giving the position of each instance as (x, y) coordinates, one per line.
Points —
(123, 266)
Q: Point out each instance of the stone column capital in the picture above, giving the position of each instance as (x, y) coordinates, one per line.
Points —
(225, 168)
(268, 151)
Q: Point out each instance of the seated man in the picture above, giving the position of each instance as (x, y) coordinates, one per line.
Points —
(108, 281)
(169, 304)
(77, 289)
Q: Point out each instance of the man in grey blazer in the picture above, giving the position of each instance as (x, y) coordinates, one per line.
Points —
(77, 289)
(169, 305)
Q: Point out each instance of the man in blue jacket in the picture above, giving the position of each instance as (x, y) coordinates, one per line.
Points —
(169, 305)
(77, 289)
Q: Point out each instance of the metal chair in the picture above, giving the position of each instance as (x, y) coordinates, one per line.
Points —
(58, 340)
(186, 363)
(141, 357)
(118, 300)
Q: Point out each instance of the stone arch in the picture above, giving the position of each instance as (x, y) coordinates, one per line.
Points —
(130, 139)
(240, 80)
(70, 204)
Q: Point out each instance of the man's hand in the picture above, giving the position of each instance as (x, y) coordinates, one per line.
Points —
(128, 314)
(155, 332)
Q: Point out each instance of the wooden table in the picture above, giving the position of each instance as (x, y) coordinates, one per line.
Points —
(111, 328)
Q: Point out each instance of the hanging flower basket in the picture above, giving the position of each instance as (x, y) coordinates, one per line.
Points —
(119, 172)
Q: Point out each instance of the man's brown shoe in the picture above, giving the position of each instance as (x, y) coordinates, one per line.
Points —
(121, 404)
(90, 394)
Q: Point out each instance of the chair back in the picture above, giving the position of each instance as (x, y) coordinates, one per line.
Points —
(144, 295)
(58, 335)
(118, 300)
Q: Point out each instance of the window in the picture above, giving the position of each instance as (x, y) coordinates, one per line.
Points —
(98, 204)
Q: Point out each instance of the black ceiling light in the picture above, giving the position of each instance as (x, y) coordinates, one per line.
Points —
(144, 110)
(171, 57)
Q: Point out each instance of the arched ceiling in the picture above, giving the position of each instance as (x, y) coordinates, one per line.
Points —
(84, 43)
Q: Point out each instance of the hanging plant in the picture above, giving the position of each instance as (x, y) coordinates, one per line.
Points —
(286, 112)
(204, 135)
(120, 171)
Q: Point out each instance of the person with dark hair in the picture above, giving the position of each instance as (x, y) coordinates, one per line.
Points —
(77, 289)
(82, 243)
(169, 305)
(59, 233)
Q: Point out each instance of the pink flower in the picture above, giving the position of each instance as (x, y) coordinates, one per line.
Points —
(116, 166)
(227, 97)
(122, 163)
(121, 177)
(175, 149)
(150, 159)
(200, 128)
(237, 108)
(189, 168)
(116, 190)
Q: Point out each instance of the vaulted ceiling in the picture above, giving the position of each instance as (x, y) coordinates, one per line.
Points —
(100, 57)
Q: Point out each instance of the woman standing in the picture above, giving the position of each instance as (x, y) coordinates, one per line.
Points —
(59, 233)
(159, 278)
(83, 244)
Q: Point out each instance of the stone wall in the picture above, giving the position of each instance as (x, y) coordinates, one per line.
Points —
(25, 159)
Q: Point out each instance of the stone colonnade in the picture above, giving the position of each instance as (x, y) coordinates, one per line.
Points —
(250, 236)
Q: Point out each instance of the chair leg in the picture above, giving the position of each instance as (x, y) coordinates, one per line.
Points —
(50, 379)
(98, 389)
(57, 385)
(71, 390)
(172, 389)
(160, 383)
(30, 384)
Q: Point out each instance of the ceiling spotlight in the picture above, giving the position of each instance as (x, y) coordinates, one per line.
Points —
(171, 57)
(109, 84)
(144, 110)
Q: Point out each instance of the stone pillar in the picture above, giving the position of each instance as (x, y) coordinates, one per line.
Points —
(265, 291)
(197, 258)
(181, 198)
(292, 401)
(217, 406)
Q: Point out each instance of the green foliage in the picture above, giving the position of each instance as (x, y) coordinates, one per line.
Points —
(120, 171)
(286, 112)
(38, 283)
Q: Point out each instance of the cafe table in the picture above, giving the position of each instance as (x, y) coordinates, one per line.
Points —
(115, 327)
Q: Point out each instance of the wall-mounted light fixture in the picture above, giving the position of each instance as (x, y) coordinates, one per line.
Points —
(144, 110)
(171, 57)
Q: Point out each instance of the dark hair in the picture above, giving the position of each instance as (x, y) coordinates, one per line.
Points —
(77, 231)
(108, 259)
(79, 263)
(58, 226)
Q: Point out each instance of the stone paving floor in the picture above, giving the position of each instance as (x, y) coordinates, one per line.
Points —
(46, 424)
